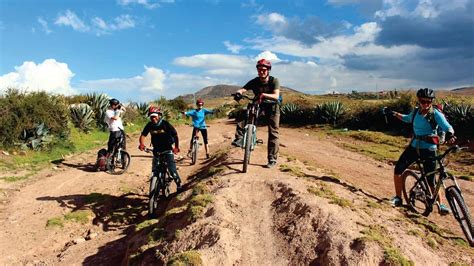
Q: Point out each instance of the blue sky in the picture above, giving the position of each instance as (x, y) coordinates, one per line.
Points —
(138, 50)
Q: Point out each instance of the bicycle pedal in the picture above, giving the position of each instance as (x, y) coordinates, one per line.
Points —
(259, 141)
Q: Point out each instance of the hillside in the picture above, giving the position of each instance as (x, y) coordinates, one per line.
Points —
(464, 91)
(222, 90)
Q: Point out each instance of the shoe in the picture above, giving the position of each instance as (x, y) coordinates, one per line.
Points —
(237, 143)
(396, 201)
(179, 188)
(208, 156)
(189, 154)
(443, 209)
(271, 164)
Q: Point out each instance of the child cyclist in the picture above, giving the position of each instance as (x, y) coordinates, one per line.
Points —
(163, 135)
(199, 115)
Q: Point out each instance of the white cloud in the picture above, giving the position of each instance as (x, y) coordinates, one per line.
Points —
(44, 25)
(273, 21)
(97, 25)
(213, 61)
(50, 76)
(267, 55)
(69, 18)
(233, 48)
(150, 4)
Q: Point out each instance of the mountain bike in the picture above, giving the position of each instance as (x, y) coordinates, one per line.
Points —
(250, 129)
(421, 198)
(159, 181)
(119, 161)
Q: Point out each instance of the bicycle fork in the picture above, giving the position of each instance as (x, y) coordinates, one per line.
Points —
(250, 128)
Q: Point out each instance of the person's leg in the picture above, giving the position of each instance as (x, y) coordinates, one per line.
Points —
(124, 139)
(430, 166)
(406, 159)
(172, 169)
(110, 143)
(204, 138)
(239, 128)
(273, 115)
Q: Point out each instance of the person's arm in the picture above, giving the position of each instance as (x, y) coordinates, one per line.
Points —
(172, 131)
(142, 143)
(404, 118)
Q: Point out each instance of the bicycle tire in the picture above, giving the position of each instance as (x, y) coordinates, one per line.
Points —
(460, 212)
(248, 148)
(153, 196)
(416, 193)
(118, 167)
(194, 152)
(164, 186)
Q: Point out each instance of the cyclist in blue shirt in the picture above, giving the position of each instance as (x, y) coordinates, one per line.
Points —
(199, 115)
(424, 142)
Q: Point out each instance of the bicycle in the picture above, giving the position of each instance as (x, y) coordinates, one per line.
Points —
(159, 181)
(250, 129)
(421, 199)
(119, 161)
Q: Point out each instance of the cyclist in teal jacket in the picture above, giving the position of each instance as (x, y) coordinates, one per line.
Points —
(199, 115)
(424, 142)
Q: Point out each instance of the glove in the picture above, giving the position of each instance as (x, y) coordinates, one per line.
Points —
(450, 138)
(238, 96)
(175, 150)
(261, 98)
(141, 147)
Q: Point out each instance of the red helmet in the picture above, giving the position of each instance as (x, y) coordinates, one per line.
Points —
(265, 63)
(199, 101)
(154, 110)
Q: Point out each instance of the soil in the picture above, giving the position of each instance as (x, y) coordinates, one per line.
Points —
(320, 205)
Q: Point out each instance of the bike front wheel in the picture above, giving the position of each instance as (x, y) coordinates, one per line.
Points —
(119, 164)
(194, 152)
(460, 212)
(248, 147)
(416, 193)
(153, 196)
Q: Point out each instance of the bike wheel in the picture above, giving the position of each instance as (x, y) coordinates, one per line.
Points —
(194, 152)
(416, 193)
(248, 148)
(164, 186)
(153, 196)
(460, 212)
(119, 163)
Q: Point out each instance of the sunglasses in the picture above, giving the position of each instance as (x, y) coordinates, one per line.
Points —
(262, 69)
(425, 101)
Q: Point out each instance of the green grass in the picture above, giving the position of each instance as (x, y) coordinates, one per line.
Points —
(145, 224)
(293, 170)
(324, 192)
(190, 257)
(200, 198)
(81, 216)
(55, 222)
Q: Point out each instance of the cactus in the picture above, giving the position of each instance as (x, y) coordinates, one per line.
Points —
(36, 138)
(82, 116)
(99, 104)
(142, 108)
(330, 111)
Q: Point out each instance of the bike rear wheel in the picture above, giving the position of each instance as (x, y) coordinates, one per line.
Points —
(460, 212)
(119, 163)
(153, 196)
(248, 147)
(416, 193)
(194, 152)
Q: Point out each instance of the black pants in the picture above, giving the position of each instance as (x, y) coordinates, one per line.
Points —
(113, 138)
(203, 133)
(271, 115)
(410, 155)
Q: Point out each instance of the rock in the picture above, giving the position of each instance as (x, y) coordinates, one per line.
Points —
(5, 153)
(91, 236)
(78, 240)
(14, 153)
(22, 153)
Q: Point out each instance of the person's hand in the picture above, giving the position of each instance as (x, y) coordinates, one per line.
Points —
(450, 138)
(183, 113)
(261, 97)
(175, 150)
(238, 96)
(141, 147)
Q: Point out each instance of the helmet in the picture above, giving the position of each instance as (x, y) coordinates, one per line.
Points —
(114, 101)
(154, 111)
(199, 101)
(265, 63)
(425, 93)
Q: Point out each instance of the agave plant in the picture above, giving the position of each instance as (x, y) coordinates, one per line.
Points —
(36, 138)
(291, 112)
(458, 114)
(99, 104)
(82, 116)
(142, 108)
(330, 111)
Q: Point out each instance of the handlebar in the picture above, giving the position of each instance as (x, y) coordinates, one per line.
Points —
(239, 96)
(148, 150)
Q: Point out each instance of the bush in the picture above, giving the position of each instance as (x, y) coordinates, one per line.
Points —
(20, 111)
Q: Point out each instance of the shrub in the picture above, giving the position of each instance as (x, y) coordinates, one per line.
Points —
(82, 116)
(99, 104)
(20, 111)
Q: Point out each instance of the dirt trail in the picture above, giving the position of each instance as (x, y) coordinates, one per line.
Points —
(263, 217)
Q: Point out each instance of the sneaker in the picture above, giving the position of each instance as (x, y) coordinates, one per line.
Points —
(443, 209)
(208, 156)
(179, 188)
(396, 201)
(237, 143)
(271, 164)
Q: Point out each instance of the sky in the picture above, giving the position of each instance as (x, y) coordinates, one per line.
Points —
(140, 50)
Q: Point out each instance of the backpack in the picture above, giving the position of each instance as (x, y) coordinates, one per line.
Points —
(439, 138)
(101, 162)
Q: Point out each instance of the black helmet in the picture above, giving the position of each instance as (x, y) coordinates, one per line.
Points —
(114, 101)
(425, 93)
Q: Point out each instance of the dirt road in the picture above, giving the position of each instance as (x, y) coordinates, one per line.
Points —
(320, 205)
